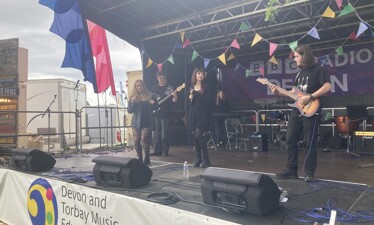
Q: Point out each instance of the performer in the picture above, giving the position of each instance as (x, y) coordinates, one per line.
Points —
(313, 80)
(199, 116)
(162, 115)
(222, 106)
(141, 105)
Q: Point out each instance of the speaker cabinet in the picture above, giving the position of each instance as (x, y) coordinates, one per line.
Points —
(121, 171)
(363, 142)
(238, 190)
(259, 142)
(32, 160)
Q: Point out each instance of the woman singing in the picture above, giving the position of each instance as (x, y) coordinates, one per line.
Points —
(199, 116)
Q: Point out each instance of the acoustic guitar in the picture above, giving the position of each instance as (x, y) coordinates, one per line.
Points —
(307, 110)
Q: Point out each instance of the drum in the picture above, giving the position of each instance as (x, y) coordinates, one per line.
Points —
(343, 123)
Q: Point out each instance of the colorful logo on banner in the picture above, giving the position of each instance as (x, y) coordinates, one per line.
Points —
(42, 203)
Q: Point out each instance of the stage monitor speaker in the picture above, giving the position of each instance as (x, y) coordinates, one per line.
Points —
(121, 171)
(259, 142)
(240, 191)
(32, 160)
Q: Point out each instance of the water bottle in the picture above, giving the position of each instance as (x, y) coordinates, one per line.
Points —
(185, 170)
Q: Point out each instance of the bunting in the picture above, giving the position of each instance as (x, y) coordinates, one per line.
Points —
(314, 33)
(329, 13)
(149, 63)
(159, 66)
(262, 71)
(194, 55)
(181, 34)
(293, 45)
(273, 60)
(206, 63)
(256, 39)
(340, 50)
(347, 10)
(231, 56)
(171, 59)
(272, 48)
(186, 43)
(244, 26)
(222, 58)
(235, 44)
(248, 73)
(361, 29)
(339, 3)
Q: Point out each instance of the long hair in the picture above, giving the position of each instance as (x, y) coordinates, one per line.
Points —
(218, 98)
(194, 80)
(307, 56)
(145, 95)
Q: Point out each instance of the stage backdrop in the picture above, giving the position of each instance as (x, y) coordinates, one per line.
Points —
(351, 74)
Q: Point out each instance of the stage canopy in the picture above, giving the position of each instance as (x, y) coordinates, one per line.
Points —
(175, 36)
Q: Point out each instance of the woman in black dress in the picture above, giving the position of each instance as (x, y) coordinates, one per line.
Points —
(199, 116)
(141, 105)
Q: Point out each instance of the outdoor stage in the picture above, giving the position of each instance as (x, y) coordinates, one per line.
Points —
(73, 185)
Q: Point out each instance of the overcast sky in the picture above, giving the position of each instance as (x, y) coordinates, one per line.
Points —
(30, 22)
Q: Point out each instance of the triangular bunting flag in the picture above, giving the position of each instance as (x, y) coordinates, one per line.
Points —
(263, 117)
(340, 50)
(347, 10)
(244, 26)
(352, 36)
(206, 63)
(149, 63)
(194, 55)
(181, 34)
(178, 45)
(222, 57)
(248, 73)
(272, 48)
(273, 60)
(329, 13)
(159, 66)
(323, 59)
(262, 71)
(314, 33)
(256, 39)
(339, 3)
(293, 45)
(361, 29)
(186, 43)
(328, 116)
(235, 44)
(171, 59)
(253, 117)
(231, 56)
(237, 66)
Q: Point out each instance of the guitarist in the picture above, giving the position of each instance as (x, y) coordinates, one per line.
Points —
(162, 116)
(314, 81)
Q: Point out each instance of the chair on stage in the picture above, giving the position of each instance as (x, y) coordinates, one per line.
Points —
(211, 143)
(235, 134)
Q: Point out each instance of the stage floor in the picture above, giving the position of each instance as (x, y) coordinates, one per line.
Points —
(342, 184)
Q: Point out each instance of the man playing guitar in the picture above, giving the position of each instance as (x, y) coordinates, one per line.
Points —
(313, 81)
(163, 91)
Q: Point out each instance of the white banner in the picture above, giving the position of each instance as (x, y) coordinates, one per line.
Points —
(28, 199)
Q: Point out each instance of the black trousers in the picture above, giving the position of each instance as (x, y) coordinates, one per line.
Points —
(160, 137)
(309, 127)
(201, 151)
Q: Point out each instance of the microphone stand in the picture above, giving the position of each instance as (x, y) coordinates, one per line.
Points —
(77, 120)
(48, 110)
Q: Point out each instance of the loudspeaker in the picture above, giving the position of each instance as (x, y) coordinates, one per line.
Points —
(32, 160)
(121, 171)
(363, 142)
(259, 142)
(238, 190)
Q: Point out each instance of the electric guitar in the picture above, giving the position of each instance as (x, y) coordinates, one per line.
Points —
(161, 100)
(307, 110)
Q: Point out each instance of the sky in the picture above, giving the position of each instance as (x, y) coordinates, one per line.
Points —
(30, 22)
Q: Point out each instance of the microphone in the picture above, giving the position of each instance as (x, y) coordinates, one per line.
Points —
(76, 85)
